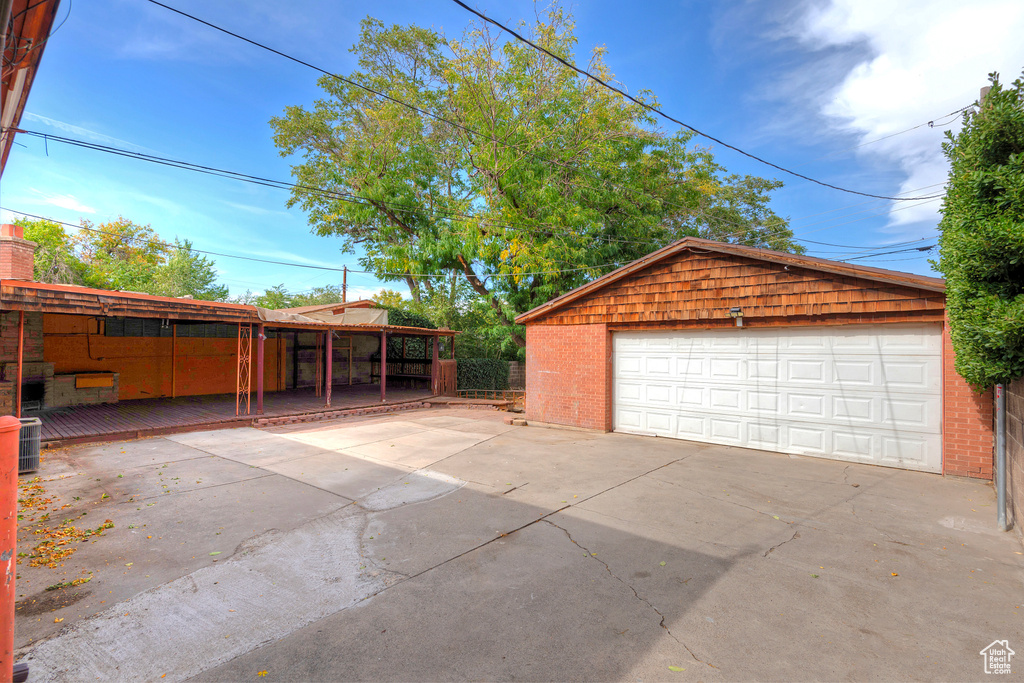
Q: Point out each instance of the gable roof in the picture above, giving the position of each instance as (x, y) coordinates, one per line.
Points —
(893, 277)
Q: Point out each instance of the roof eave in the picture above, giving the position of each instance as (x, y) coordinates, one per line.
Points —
(809, 262)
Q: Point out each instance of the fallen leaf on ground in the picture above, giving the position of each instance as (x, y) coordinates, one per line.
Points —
(662, 564)
(216, 553)
(676, 668)
(58, 620)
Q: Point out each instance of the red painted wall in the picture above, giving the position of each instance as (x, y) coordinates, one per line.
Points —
(568, 375)
(202, 365)
(968, 434)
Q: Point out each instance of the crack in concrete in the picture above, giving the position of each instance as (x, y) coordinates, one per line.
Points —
(636, 595)
(728, 502)
(796, 535)
(632, 479)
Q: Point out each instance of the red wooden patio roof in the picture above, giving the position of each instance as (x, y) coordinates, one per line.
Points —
(21, 295)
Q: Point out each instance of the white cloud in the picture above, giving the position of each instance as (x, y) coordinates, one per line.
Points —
(80, 132)
(919, 60)
(69, 202)
(257, 210)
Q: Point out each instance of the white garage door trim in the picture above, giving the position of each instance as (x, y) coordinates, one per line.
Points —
(863, 393)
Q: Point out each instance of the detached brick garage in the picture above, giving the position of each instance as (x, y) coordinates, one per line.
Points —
(747, 347)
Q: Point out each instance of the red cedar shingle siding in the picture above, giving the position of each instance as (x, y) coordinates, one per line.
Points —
(697, 290)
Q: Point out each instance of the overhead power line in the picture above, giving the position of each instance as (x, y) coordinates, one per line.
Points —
(930, 124)
(169, 245)
(466, 129)
(659, 112)
(355, 199)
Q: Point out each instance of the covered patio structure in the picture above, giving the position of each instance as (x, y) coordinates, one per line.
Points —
(93, 362)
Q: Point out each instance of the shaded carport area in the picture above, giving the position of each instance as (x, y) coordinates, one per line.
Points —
(96, 364)
(442, 545)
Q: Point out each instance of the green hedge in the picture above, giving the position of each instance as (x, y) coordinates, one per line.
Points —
(482, 373)
(397, 316)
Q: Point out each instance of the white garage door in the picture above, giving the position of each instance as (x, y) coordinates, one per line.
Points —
(869, 393)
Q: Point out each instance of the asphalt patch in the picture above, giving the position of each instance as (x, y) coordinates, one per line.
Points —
(48, 601)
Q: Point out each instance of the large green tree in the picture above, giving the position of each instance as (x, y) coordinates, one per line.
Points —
(121, 255)
(187, 273)
(982, 241)
(513, 172)
(55, 259)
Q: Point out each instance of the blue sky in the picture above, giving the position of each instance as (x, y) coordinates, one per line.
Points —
(799, 83)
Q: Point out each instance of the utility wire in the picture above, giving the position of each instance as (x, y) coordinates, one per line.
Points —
(459, 126)
(897, 251)
(930, 124)
(169, 245)
(355, 199)
(659, 112)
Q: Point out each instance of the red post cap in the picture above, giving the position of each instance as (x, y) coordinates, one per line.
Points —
(8, 423)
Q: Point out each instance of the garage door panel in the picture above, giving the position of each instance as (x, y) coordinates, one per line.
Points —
(693, 427)
(854, 409)
(806, 371)
(763, 401)
(659, 423)
(726, 368)
(729, 399)
(912, 375)
(852, 444)
(805, 406)
(866, 395)
(690, 367)
(629, 419)
(767, 436)
(691, 396)
(628, 392)
(628, 364)
(658, 366)
(761, 370)
(726, 431)
(808, 439)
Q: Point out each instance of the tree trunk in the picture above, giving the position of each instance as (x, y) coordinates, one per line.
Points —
(480, 288)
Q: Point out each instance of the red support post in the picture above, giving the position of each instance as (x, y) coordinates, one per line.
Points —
(435, 366)
(259, 368)
(10, 427)
(328, 384)
(383, 366)
(21, 355)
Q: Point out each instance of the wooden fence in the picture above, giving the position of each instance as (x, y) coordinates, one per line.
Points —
(446, 377)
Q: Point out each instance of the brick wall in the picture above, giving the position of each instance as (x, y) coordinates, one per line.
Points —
(17, 255)
(32, 354)
(568, 375)
(6, 398)
(9, 337)
(61, 391)
(1015, 452)
(968, 436)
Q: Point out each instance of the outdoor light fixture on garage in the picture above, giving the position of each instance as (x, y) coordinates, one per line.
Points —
(737, 313)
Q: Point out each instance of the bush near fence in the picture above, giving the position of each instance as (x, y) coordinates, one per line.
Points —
(482, 373)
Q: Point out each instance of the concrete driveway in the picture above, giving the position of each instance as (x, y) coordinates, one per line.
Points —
(441, 545)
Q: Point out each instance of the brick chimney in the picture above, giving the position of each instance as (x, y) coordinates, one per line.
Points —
(17, 254)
